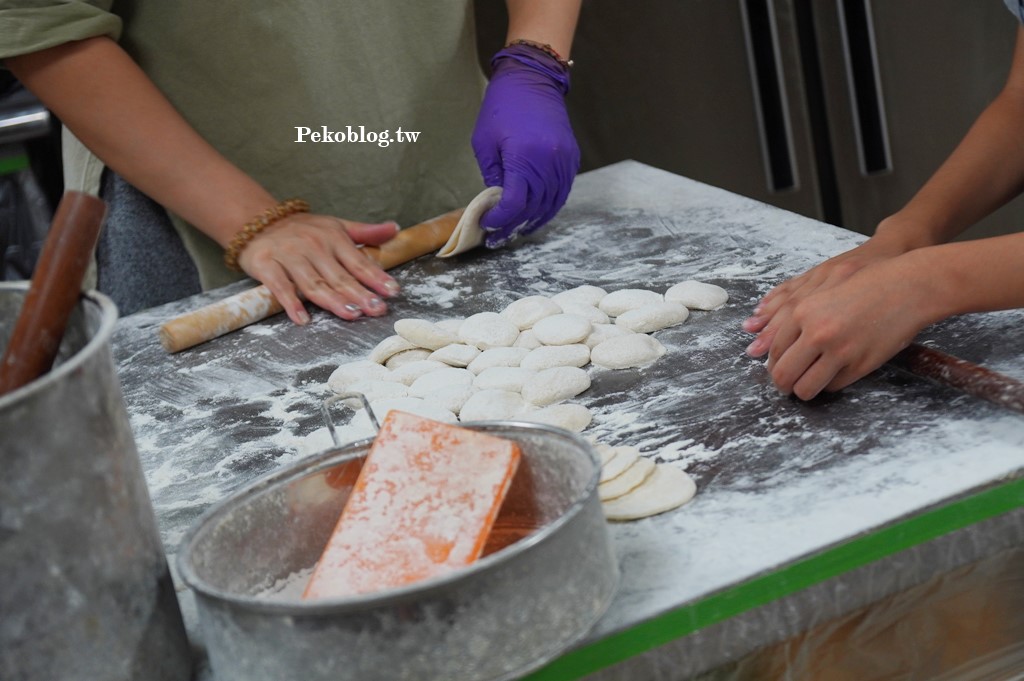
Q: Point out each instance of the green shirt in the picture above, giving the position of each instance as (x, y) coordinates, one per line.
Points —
(250, 76)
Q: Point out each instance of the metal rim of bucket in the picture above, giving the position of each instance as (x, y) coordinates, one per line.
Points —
(108, 319)
(351, 604)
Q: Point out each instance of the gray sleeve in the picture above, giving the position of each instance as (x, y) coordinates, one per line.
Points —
(1017, 7)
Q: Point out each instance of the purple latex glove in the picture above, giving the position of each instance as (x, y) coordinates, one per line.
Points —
(524, 143)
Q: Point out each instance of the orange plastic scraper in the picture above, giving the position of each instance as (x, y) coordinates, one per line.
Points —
(423, 505)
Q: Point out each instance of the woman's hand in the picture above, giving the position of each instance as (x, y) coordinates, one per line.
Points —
(315, 257)
(829, 337)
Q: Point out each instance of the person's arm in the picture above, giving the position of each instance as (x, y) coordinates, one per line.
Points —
(106, 100)
(983, 172)
(843, 319)
(523, 140)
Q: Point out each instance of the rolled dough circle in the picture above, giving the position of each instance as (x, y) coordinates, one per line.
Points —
(625, 352)
(622, 458)
(627, 480)
(666, 488)
(389, 347)
(650, 318)
(698, 295)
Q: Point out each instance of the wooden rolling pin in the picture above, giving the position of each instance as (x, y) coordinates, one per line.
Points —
(55, 288)
(971, 378)
(241, 309)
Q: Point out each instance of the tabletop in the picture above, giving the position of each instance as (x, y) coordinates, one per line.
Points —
(790, 493)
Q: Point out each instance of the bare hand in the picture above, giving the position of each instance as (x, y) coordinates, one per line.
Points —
(315, 257)
(829, 338)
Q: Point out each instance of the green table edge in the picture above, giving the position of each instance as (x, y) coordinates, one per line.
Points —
(759, 591)
(12, 164)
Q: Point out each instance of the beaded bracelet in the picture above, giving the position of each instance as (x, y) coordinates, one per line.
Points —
(545, 48)
(257, 225)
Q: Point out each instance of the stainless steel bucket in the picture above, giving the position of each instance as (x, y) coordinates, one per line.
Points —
(85, 591)
(508, 613)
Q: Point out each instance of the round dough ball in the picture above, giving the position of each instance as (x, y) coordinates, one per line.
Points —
(603, 332)
(627, 480)
(527, 339)
(697, 295)
(435, 380)
(486, 330)
(389, 347)
(624, 352)
(353, 372)
(456, 355)
(526, 312)
(562, 329)
(548, 356)
(412, 405)
(493, 405)
(664, 489)
(450, 325)
(619, 302)
(651, 318)
(571, 417)
(374, 390)
(554, 385)
(451, 397)
(410, 372)
(503, 378)
(407, 357)
(424, 334)
(588, 312)
(586, 295)
(498, 357)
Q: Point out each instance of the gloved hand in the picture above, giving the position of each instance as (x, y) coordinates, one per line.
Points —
(524, 143)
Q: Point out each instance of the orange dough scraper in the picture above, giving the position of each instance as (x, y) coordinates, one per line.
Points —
(423, 506)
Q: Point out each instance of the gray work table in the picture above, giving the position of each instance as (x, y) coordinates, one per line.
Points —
(792, 496)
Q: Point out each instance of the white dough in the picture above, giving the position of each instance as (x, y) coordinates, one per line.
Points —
(424, 334)
(666, 488)
(456, 355)
(498, 357)
(571, 417)
(450, 325)
(618, 302)
(467, 234)
(493, 405)
(622, 458)
(353, 372)
(389, 347)
(554, 385)
(435, 380)
(407, 357)
(408, 373)
(375, 390)
(527, 339)
(624, 352)
(604, 452)
(451, 397)
(654, 317)
(603, 332)
(526, 312)
(697, 295)
(503, 378)
(586, 295)
(548, 356)
(412, 405)
(588, 312)
(562, 329)
(627, 480)
(488, 330)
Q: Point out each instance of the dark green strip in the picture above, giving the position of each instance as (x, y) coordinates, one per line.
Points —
(13, 164)
(762, 590)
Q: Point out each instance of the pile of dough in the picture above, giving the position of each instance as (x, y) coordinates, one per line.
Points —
(525, 363)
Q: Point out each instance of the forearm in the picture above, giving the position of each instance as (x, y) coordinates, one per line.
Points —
(984, 172)
(106, 100)
(545, 21)
(972, 276)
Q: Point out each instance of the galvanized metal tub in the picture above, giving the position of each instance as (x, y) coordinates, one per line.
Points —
(507, 614)
(85, 591)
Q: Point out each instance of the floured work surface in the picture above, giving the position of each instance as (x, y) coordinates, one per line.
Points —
(778, 480)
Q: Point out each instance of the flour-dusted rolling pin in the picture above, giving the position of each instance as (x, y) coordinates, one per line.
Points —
(55, 288)
(958, 373)
(234, 312)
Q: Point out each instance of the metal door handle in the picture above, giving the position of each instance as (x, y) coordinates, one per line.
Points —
(857, 31)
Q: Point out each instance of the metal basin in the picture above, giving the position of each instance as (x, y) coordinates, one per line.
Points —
(503, 616)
